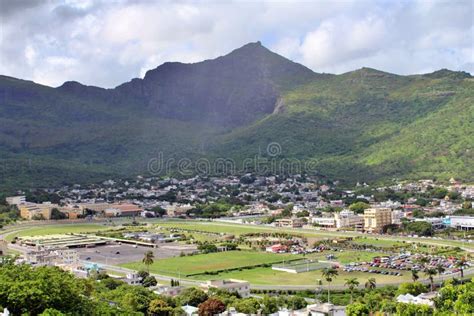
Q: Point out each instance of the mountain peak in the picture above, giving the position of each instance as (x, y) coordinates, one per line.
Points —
(443, 73)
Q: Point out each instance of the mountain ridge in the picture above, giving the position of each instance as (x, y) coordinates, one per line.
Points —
(357, 126)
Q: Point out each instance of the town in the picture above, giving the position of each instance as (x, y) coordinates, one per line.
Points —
(250, 235)
(294, 201)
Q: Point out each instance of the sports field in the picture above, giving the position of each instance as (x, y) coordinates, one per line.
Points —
(210, 262)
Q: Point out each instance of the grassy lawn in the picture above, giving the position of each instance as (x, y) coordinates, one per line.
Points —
(267, 276)
(57, 229)
(378, 242)
(209, 262)
(348, 256)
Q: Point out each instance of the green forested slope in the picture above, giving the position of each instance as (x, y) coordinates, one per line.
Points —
(365, 125)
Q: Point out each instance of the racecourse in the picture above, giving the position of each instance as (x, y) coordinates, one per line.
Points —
(235, 264)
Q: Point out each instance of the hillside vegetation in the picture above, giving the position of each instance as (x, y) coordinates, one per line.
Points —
(364, 125)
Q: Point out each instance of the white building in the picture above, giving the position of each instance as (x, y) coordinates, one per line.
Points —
(326, 310)
(328, 222)
(347, 218)
(231, 285)
(397, 216)
(422, 299)
(460, 222)
(16, 200)
(132, 279)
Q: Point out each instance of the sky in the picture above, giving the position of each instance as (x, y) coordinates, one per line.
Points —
(106, 43)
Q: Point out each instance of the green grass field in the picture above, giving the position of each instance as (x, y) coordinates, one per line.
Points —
(378, 242)
(347, 256)
(267, 276)
(210, 262)
(56, 229)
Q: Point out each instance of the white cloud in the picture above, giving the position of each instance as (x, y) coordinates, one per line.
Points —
(107, 43)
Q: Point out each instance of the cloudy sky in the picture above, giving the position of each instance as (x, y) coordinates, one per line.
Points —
(106, 43)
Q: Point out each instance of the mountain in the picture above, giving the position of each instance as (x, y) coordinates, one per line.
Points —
(365, 125)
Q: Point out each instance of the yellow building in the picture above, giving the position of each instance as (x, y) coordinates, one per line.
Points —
(36, 211)
(376, 218)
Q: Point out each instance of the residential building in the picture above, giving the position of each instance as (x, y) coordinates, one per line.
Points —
(326, 309)
(376, 218)
(132, 279)
(231, 285)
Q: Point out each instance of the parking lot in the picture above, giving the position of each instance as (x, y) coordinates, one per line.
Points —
(117, 254)
(394, 265)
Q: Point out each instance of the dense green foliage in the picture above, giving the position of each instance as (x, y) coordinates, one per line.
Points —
(364, 125)
(50, 291)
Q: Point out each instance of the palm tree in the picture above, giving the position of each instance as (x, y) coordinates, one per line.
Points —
(440, 269)
(461, 264)
(414, 275)
(430, 273)
(329, 274)
(352, 283)
(423, 261)
(148, 259)
(371, 284)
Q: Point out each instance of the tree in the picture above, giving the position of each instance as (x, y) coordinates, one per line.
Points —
(159, 211)
(57, 214)
(31, 290)
(413, 288)
(413, 310)
(371, 284)
(207, 248)
(51, 312)
(440, 269)
(414, 275)
(420, 228)
(357, 309)
(430, 273)
(352, 284)
(359, 207)
(159, 307)
(211, 307)
(271, 305)
(192, 296)
(149, 281)
(467, 205)
(247, 305)
(295, 303)
(329, 274)
(462, 264)
(148, 259)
